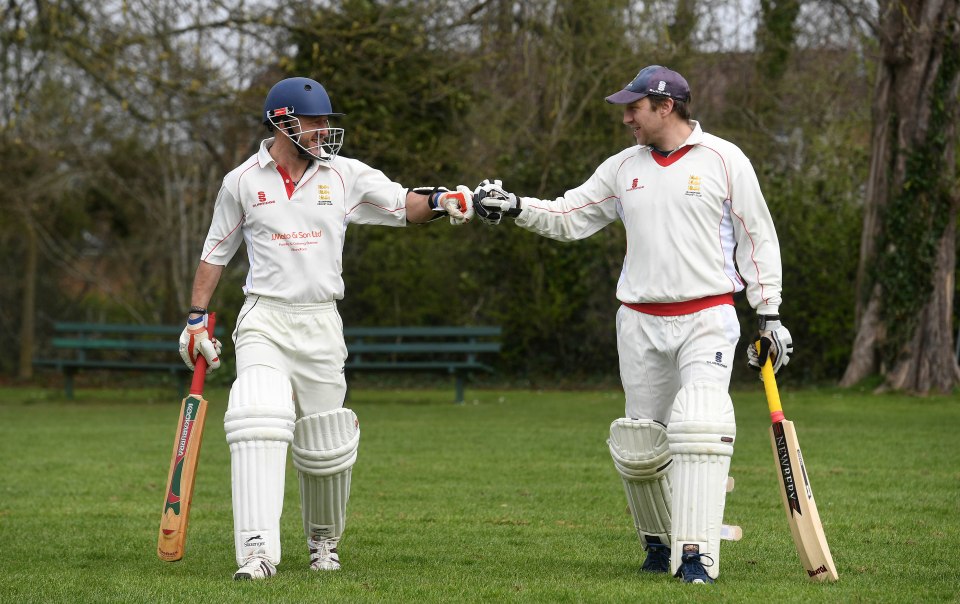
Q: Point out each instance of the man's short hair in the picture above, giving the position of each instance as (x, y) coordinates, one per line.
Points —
(681, 108)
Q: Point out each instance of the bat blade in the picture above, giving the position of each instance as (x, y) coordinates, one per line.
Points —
(174, 518)
(795, 489)
(800, 505)
(172, 538)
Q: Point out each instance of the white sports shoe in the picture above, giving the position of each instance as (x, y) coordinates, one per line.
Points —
(255, 568)
(323, 554)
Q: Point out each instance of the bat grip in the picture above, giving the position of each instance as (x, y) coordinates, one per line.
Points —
(200, 365)
(770, 387)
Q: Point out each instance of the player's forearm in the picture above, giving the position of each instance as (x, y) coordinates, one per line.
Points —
(758, 259)
(204, 283)
(418, 209)
(566, 218)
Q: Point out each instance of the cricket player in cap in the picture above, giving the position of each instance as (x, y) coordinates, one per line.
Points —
(291, 203)
(698, 231)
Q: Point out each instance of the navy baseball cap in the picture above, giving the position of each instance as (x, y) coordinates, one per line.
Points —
(654, 79)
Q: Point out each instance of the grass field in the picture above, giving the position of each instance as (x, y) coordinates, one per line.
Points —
(510, 497)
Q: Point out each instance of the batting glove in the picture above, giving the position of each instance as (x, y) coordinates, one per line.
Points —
(776, 344)
(195, 341)
(491, 202)
(458, 205)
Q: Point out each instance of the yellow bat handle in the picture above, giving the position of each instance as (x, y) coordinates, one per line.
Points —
(770, 387)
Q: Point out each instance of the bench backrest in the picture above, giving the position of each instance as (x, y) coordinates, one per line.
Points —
(82, 337)
(424, 341)
(469, 340)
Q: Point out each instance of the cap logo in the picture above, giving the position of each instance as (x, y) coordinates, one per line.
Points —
(661, 86)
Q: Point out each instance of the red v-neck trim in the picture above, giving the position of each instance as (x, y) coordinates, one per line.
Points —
(287, 181)
(673, 157)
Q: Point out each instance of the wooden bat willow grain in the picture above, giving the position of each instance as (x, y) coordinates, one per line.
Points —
(172, 538)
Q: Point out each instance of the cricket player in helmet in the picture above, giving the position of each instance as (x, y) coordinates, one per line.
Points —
(291, 203)
(698, 232)
(301, 109)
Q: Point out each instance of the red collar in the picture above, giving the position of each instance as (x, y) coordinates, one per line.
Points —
(673, 157)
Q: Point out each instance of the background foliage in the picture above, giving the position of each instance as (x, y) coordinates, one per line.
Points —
(117, 132)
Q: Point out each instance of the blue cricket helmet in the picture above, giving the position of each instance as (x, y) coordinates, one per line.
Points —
(303, 95)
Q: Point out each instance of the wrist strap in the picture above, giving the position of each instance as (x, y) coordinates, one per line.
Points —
(762, 320)
(196, 310)
(433, 200)
(517, 208)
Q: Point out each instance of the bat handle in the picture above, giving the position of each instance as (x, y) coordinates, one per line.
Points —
(770, 387)
(200, 365)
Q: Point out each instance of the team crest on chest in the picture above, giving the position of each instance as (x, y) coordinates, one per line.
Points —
(323, 195)
(693, 186)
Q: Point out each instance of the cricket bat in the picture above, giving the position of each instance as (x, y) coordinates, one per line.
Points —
(795, 490)
(183, 464)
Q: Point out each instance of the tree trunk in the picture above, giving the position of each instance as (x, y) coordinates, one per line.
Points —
(906, 272)
(927, 362)
(864, 358)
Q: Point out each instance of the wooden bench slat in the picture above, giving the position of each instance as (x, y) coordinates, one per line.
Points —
(98, 328)
(424, 332)
(417, 365)
(422, 347)
(98, 364)
(111, 344)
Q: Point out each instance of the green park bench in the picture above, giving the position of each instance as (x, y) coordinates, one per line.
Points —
(449, 349)
(116, 346)
(103, 346)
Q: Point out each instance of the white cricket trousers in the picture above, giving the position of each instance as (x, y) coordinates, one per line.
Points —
(660, 355)
(302, 341)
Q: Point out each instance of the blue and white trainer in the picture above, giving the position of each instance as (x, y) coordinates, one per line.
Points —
(658, 558)
(692, 570)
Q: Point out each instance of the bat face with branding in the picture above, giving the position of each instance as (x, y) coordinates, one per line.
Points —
(172, 538)
(795, 489)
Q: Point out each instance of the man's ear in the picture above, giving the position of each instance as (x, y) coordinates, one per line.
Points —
(666, 108)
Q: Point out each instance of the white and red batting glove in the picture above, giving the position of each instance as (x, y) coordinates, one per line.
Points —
(456, 204)
(195, 341)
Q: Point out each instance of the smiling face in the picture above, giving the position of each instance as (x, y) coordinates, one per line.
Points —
(310, 135)
(646, 121)
(313, 129)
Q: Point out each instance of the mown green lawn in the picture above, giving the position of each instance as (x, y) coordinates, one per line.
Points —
(510, 497)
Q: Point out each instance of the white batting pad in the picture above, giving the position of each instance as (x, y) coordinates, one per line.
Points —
(324, 450)
(641, 455)
(259, 426)
(702, 431)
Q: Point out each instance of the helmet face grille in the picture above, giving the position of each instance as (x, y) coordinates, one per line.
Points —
(324, 147)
